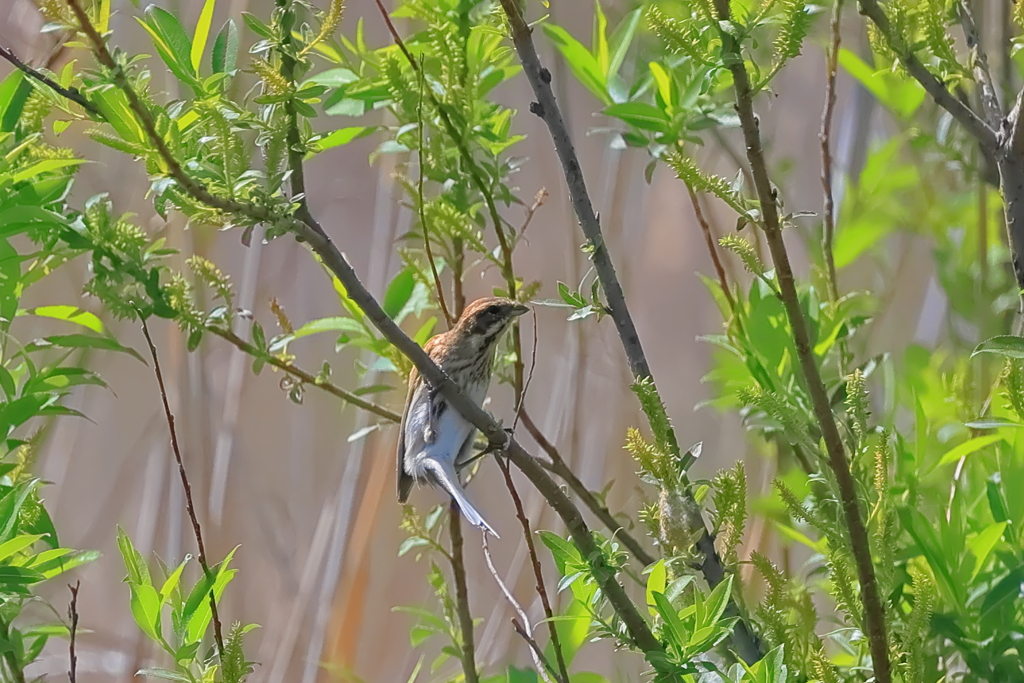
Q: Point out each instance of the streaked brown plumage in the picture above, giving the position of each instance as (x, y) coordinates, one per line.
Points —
(436, 440)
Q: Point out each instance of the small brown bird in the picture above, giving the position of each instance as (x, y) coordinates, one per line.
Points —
(435, 440)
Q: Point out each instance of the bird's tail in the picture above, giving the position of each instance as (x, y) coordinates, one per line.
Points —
(449, 481)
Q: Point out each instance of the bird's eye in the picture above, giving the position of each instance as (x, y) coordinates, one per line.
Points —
(493, 309)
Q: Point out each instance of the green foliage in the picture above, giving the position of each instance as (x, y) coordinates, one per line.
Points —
(159, 598)
(933, 457)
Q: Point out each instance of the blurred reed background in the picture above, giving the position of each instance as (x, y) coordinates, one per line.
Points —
(316, 516)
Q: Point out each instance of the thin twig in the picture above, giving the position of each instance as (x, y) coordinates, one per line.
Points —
(423, 217)
(709, 239)
(311, 232)
(72, 631)
(189, 506)
(539, 661)
(829, 212)
(73, 94)
(529, 376)
(462, 595)
(538, 574)
(563, 471)
(874, 612)
(306, 377)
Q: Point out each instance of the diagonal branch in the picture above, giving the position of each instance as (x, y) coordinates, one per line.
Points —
(874, 612)
(967, 118)
(72, 94)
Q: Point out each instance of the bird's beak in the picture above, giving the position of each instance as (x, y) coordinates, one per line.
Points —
(518, 310)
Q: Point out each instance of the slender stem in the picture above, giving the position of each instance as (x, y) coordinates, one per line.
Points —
(449, 320)
(526, 631)
(72, 632)
(462, 595)
(306, 377)
(538, 574)
(189, 506)
(829, 213)
(874, 613)
(72, 94)
(709, 239)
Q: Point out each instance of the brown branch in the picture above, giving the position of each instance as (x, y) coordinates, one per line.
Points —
(829, 211)
(189, 506)
(449, 320)
(547, 108)
(306, 377)
(538, 575)
(73, 94)
(72, 632)
(874, 612)
(468, 650)
(313, 234)
(967, 118)
(709, 239)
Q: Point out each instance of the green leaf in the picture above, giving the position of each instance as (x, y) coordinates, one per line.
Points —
(583, 64)
(84, 341)
(897, 93)
(17, 544)
(1003, 345)
(981, 546)
(165, 674)
(19, 576)
(342, 136)
(145, 604)
(202, 33)
(225, 49)
(171, 42)
(138, 572)
(338, 324)
(966, 448)
(398, 292)
(15, 104)
(656, 580)
(44, 166)
(641, 115)
(676, 630)
(71, 314)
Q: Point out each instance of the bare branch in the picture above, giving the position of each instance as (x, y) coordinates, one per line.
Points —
(72, 94)
(831, 71)
(538, 574)
(72, 632)
(462, 595)
(189, 506)
(306, 377)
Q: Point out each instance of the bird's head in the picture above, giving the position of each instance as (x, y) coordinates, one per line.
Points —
(485, 319)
